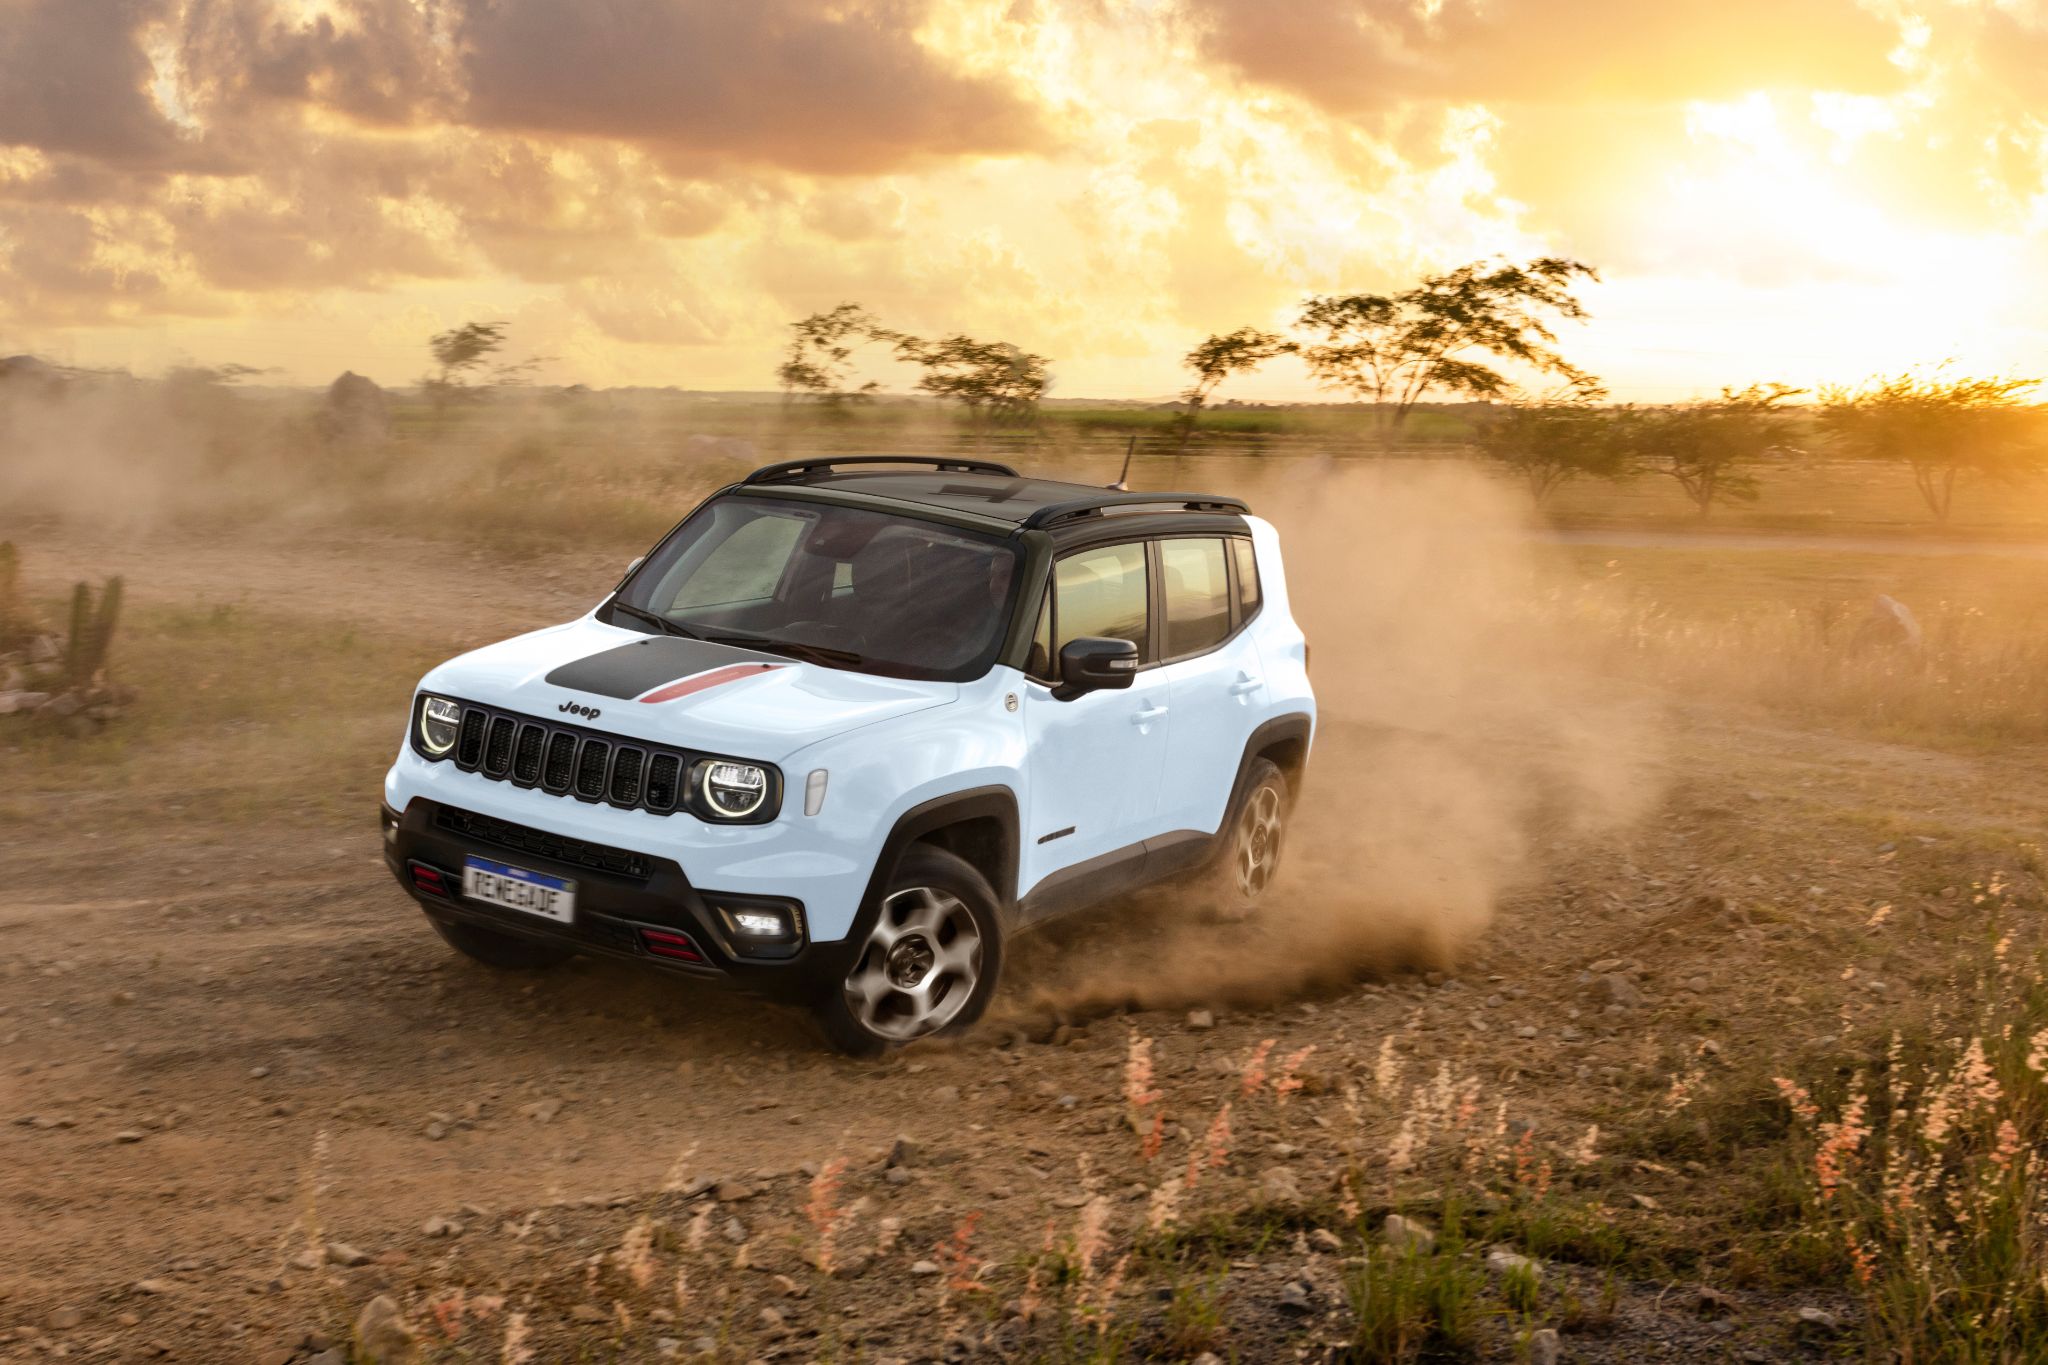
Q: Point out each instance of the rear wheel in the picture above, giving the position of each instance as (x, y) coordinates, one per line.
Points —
(1250, 857)
(493, 949)
(929, 964)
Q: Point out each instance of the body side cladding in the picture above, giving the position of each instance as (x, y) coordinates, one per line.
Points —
(1284, 739)
(1115, 873)
(976, 804)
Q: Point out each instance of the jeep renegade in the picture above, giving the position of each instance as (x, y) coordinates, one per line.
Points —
(855, 722)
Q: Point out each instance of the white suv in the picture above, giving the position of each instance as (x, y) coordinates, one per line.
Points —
(852, 724)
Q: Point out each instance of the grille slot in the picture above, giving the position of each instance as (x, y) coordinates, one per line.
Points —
(498, 746)
(469, 743)
(664, 782)
(627, 769)
(590, 766)
(526, 755)
(540, 843)
(561, 762)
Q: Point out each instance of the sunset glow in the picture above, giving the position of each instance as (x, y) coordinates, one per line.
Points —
(648, 190)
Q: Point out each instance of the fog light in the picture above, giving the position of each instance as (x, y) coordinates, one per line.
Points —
(763, 928)
(759, 923)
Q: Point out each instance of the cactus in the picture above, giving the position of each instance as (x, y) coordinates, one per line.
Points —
(14, 619)
(92, 632)
(75, 675)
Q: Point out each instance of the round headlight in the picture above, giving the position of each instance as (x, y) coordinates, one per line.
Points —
(439, 721)
(732, 790)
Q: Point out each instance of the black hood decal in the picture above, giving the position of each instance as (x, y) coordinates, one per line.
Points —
(631, 670)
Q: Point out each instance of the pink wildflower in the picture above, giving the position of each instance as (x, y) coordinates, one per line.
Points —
(1255, 1067)
(1289, 1080)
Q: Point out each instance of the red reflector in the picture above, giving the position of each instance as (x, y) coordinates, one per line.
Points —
(428, 879)
(664, 944)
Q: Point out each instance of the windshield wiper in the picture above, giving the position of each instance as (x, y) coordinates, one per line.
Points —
(817, 654)
(654, 619)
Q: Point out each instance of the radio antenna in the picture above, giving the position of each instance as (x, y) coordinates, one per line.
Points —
(1123, 478)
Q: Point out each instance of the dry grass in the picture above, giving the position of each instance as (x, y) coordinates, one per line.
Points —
(250, 716)
(1923, 1179)
(1790, 631)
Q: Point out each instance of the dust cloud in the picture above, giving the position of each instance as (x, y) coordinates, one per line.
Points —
(115, 453)
(1461, 741)
(1464, 735)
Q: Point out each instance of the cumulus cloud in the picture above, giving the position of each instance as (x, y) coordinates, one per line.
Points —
(74, 79)
(658, 186)
(1371, 54)
(178, 154)
(788, 83)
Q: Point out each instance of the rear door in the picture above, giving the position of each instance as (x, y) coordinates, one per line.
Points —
(1215, 683)
(1095, 761)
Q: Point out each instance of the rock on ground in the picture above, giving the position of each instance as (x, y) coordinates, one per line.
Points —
(383, 1336)
(1405, 1234)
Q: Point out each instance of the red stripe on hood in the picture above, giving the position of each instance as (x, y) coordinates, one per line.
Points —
(683, 687)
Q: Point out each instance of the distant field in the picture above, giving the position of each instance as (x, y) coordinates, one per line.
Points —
(701, 442)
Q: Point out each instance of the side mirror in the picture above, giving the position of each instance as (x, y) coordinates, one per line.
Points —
(638, 560)
(1094, 663)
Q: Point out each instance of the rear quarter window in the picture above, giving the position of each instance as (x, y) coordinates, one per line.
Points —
(1248, 598)
(1196, 589)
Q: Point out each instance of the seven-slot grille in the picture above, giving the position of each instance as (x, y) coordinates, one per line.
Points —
(565, 760)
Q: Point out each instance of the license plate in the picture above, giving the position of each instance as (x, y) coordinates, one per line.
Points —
(515, 888)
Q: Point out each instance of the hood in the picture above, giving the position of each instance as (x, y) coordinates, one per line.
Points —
(667, 690)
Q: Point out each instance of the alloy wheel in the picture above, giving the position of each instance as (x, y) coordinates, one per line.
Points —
(1258, 842)
(919, 966)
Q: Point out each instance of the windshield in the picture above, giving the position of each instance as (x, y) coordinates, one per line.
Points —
(839, 586)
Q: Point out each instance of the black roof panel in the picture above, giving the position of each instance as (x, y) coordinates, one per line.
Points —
(1004, 497)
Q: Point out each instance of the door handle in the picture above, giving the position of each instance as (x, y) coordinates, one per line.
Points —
(1148, 715)
(1246, 683)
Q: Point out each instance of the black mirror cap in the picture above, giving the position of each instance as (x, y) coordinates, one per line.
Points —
(1095, 663)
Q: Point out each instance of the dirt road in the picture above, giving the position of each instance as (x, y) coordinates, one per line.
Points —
(216, 1041)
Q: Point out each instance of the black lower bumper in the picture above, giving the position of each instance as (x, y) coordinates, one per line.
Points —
(628, 905)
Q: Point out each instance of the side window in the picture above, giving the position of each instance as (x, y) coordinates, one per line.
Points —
(1248, 598)
(745, 566)
(1197, 593)
(1102, 592)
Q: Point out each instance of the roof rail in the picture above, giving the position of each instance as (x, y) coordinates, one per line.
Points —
(793, 471)
(1103, 501)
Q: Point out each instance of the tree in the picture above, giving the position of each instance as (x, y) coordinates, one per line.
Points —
(210, 376)
(1392, 349)
(1707, 447)
(466, 368)
(1551, 441)
(1940, 428)
(820, 358)
(996, 382)
(1218, 358)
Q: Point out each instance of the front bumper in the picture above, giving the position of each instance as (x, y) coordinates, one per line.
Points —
(629, 905)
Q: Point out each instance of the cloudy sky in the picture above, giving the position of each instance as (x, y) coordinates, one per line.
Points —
(649, 190)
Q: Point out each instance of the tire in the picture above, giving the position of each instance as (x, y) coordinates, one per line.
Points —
(1255, 837)
(937, 922)
(506, 951)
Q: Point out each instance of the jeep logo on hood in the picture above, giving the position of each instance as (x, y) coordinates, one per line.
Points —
(577, 709)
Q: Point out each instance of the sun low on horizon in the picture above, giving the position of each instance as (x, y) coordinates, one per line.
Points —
(648, 191)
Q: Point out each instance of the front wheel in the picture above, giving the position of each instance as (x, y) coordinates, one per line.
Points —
(929, 964)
